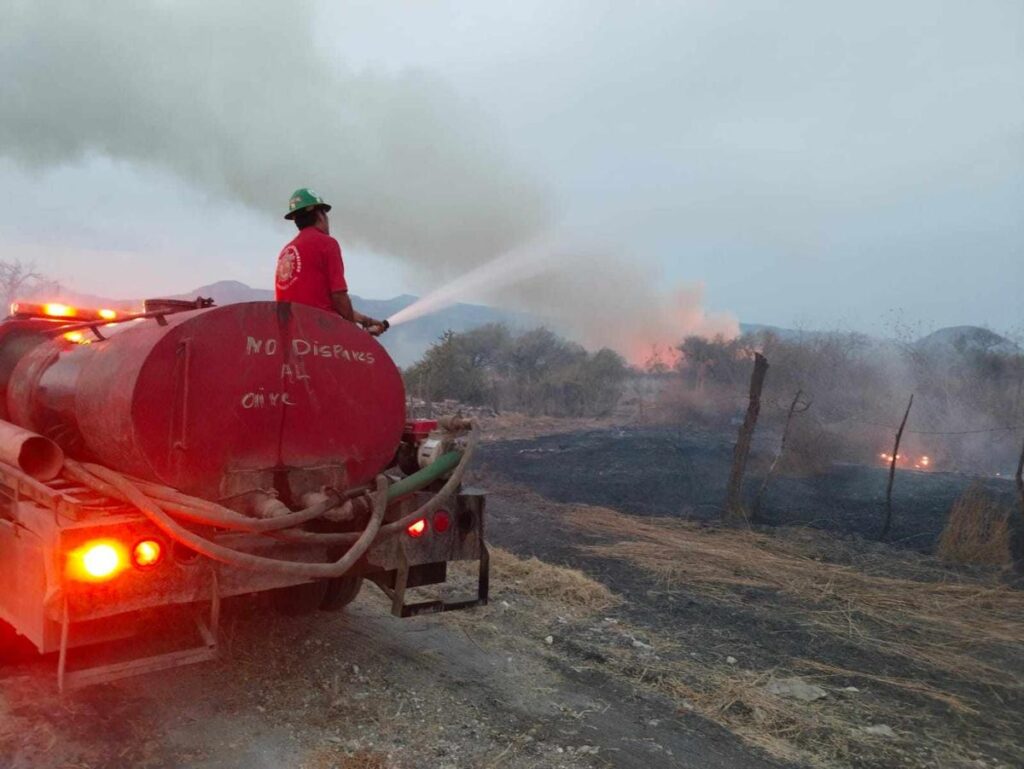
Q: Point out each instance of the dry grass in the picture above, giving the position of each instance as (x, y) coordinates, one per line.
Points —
(942, 625)
(946, 627)
(978, 530)
(512, 425)
(558, 588)
(815, 734)
(822, 734)
(334, 757)
(551, 590)
(953, 702)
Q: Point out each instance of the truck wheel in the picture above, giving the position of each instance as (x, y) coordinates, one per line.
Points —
(13, 647)
(298, 600)
(341, 592)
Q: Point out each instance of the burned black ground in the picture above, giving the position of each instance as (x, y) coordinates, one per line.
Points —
(680, 473)
(762, 632)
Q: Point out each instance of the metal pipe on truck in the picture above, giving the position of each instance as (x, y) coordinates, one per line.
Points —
(30, 452)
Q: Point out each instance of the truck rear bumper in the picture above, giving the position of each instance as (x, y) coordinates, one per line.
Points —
(49, 608)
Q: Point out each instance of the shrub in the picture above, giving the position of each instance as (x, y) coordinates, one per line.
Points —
(536, 371)
(977, 531)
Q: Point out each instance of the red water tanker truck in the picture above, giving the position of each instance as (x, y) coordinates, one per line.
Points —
(158, 461)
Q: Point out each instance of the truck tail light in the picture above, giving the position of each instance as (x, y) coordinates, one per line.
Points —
(147, 554)
(417, 528)
(442, 521)
(97, 561)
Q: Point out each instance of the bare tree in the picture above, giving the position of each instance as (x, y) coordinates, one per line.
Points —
(16, 276)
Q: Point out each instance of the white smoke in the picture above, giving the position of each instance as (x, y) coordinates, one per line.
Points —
(237, 98)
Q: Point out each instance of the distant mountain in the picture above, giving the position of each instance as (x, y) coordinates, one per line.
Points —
(406, 343)
(229, 292)
(787, 334)
(966, 339)
(953, 340)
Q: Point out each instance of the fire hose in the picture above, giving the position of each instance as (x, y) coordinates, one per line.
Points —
(163, 505)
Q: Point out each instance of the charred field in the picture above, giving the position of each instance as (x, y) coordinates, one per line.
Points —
(913, 662)
(680, 473)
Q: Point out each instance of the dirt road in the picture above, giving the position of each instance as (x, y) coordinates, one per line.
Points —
(361, 689)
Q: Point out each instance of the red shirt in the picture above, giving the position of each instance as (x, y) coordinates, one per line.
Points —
(309, 270)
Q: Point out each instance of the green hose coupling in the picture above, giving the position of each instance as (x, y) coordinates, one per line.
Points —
(443, 465)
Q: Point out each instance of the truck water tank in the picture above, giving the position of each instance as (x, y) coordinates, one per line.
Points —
(219, 401)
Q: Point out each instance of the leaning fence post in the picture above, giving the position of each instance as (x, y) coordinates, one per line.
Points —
(892, 472)
(755, 508)
(733, 497)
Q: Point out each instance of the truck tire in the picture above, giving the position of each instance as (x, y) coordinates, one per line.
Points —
(13, 647)
(298, 600)
(341, 592)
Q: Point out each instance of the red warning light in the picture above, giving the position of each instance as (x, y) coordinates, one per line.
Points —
(97, 561)
(147, 553)
(417, 528)
(442, 521)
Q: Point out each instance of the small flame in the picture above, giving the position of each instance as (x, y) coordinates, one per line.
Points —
(107, 314)
(924, 462)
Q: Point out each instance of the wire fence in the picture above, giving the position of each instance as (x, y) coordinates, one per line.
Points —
(893, 492)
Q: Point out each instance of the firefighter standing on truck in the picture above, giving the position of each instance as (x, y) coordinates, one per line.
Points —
(310, 270)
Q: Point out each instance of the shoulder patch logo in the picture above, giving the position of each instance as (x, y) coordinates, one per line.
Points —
(289, 265)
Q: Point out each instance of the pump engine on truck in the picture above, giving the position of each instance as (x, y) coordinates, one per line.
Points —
(168, 458)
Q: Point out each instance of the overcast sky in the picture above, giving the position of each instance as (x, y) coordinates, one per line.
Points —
(819, 164)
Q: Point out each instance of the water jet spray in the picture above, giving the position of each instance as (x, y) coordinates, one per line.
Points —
(504, 270)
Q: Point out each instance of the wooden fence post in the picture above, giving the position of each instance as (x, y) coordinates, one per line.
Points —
(1017, 526)
(734, 512)
(887, 523)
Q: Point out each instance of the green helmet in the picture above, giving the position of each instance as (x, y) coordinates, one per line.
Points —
(302, 199)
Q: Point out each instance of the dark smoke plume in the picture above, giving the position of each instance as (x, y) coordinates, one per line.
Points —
(236, 98)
